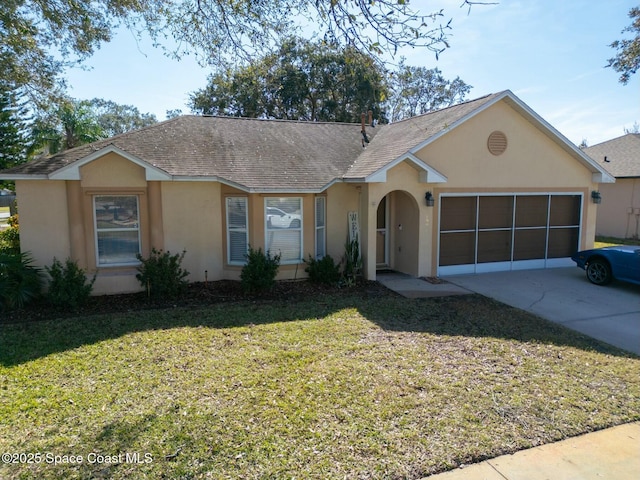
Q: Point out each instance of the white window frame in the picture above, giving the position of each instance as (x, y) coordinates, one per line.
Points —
(97, 231)
(321, 229)
(245, 200)
(269, 231)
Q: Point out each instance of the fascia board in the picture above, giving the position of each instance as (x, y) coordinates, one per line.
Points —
(72, 171)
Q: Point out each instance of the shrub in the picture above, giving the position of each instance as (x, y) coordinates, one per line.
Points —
(352, 261)
(10, 237)
(68, 287)
(20, 281)
(324, 270)
(259, 273)
(162, 275)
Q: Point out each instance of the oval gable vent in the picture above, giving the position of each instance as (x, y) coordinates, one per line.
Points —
(497, 143)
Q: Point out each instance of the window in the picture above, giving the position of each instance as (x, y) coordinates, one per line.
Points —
(117, 227)
(237, 230)
(321, 227)
(284, 228)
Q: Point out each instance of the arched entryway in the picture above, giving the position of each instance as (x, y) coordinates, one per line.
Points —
(397, 233)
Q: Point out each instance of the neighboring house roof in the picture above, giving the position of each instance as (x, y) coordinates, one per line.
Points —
(282, 156)
(620, 156)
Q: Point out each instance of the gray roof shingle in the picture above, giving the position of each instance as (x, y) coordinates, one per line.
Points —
(622, 153)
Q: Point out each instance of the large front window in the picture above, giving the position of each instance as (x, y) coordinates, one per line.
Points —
(117, 227)
(284, 228)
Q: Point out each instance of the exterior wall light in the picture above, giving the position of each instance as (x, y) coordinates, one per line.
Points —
(429, 199)
(596, 197)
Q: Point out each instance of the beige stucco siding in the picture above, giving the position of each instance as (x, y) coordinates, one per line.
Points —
(531, 160)
(44, 228)
(192, 221)
(112, 171)
(619, 212)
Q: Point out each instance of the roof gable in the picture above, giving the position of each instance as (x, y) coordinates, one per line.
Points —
(411, 135)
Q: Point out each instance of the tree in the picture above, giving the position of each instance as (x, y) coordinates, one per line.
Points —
(13, 128)
(301, 81)
(627, 59)
(115, 119)
(40, 38)
(418, 90)
(72, 122)
(66, 125)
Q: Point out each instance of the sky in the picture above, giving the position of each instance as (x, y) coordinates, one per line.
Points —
(550, 53)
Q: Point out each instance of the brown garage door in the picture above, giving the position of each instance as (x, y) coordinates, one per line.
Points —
(502, 232)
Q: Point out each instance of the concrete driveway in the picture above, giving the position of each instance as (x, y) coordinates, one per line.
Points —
(565, 296)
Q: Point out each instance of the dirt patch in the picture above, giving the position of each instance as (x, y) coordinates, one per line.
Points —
(199, 294)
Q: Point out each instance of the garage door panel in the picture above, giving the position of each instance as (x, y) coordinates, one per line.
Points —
(458, 213)
(564, 210)
(494, 246)
(529, 244)
(531, 210)
(457, 248)
(563, 242)
(495, 212)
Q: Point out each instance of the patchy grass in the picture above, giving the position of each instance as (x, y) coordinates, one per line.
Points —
(601, 242)
(334, 386)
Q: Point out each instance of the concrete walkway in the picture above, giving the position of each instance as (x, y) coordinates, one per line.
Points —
(612, 454)
(412, 287)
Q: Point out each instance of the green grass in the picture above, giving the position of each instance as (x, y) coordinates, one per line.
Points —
(336, 386)
(601, 242)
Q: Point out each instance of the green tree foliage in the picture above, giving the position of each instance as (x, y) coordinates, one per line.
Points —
(627, 59)
(66, 125)
(13, 128)
(315, 81)
(40, 38)
(115, 119)
(302, 80)
(71, 123)
(418, 90)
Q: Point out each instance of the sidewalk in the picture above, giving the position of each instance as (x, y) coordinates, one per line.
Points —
(611, 454)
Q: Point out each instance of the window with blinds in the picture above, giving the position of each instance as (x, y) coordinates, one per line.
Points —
(237, 230)
(321, 227)
(283, 217)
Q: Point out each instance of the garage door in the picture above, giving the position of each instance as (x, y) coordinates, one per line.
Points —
(482, 233)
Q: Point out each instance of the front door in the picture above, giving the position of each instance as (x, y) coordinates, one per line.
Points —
(382, 234)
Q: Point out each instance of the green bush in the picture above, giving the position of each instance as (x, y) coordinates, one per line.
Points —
(259, 273)
(10, 237)
(324, 270)
(162, 275)
(68, 287)
(20, 281)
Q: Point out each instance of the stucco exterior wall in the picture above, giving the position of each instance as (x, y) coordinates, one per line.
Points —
(192, 221)
(619, 212)
(44, 227)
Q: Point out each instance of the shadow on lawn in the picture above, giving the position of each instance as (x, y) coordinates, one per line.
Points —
(466, 316)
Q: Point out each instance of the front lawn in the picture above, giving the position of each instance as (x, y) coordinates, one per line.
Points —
(356, 385)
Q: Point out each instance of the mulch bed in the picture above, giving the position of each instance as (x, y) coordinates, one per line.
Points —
(198, 294)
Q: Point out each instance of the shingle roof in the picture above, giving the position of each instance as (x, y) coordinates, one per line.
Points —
(253, 153)
(276, 155)
(622, 153)
(398, 138)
